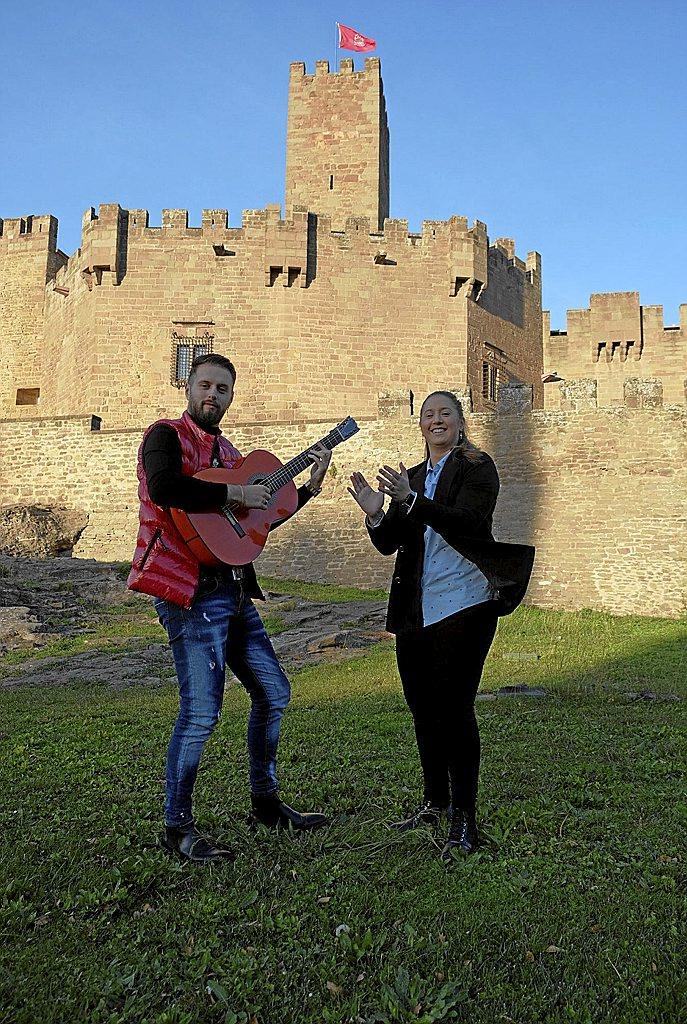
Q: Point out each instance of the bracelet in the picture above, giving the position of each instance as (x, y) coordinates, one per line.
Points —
(313, 490)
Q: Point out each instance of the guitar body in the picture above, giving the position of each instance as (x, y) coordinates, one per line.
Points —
(211, 536)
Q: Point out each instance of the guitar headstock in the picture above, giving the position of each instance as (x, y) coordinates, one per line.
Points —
(347, 428)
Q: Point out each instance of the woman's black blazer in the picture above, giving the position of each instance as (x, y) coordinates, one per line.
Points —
(461, 511)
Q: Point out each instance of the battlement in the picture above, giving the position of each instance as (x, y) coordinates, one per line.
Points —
(41, 229)
(108, 232)
(396, 230)
(101, 247)
(618, 316)
(111, 218)
(616, 353)
(337, 149)
(175, 222)
(372, 68)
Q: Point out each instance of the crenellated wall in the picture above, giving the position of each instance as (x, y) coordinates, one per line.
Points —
(619, 352)
(337, 142)
(28, 258)
(336, 309)
(311, 316)
(503, 324)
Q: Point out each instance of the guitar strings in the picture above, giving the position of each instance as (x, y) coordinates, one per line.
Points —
(289, 470)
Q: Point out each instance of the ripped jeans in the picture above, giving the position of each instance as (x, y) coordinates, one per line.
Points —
(221, 629)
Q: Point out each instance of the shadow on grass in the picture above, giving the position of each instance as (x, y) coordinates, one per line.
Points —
(572, 910)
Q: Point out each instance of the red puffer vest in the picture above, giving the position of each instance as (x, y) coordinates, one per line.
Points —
(163, 565)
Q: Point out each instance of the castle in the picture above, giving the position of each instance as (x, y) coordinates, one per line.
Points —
(337, 309)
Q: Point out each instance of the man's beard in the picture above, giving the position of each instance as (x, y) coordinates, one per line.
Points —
(205, 415)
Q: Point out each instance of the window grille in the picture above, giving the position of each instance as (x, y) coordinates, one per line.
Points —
(490, 382)
(184, 351)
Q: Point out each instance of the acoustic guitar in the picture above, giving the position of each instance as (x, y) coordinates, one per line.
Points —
(234, 535)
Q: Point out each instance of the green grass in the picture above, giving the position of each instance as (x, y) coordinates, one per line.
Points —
(131, 624)
(572, 912)
(320, 591)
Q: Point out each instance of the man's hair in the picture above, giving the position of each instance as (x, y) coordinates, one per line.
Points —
(217, 360)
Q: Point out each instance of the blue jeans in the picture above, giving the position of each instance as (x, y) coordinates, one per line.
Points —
(221, 629)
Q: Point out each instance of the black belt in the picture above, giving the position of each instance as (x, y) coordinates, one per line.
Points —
(227, 574)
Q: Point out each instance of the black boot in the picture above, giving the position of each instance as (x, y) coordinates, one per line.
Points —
(274, 813)
(463, 836)
(190, 845)
(426, 814)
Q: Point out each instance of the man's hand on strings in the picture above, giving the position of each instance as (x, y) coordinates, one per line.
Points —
(321, 457)
(254, 496)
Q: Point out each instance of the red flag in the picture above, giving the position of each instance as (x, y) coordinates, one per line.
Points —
(349, 39)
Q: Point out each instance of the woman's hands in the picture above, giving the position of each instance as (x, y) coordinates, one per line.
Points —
(371, 502)
(389, 481)
(396, 485)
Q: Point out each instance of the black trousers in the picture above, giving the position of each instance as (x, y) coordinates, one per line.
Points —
(440, 668)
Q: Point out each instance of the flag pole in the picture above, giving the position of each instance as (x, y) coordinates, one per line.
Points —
(336, 42)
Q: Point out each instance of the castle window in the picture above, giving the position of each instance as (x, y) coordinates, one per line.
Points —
(28, 396)
(184, 351)
(490, 382)
(331, 182)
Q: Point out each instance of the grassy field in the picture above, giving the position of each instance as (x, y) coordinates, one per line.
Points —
(573, 911)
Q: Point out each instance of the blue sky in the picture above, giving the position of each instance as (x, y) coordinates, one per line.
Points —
(561, 125)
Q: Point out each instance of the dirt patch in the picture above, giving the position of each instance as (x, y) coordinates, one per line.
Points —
(67, 620)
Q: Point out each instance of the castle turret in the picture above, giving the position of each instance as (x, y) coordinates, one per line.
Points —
(616, 353)
(337, 155)
(29, 257)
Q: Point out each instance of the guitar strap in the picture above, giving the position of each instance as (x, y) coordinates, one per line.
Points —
(216, 461)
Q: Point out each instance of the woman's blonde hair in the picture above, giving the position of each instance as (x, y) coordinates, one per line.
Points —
(471, 452)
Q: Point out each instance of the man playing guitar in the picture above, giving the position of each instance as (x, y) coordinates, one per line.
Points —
(208, 613)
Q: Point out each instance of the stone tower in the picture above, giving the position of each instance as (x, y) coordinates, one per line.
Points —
(337, 152)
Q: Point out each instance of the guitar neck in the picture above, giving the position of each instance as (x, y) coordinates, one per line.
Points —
(296, 465)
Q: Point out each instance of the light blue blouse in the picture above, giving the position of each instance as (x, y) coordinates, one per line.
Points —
(450, 582)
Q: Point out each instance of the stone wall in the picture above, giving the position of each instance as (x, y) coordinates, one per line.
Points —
(502, 324)
(321, 310)
(317, 321)
(600, 492)
(337, 142)
(623, 349)
(28, 257)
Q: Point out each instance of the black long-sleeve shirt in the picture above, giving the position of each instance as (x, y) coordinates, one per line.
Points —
(169, 487)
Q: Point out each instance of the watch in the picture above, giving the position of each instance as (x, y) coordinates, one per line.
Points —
(408, 502)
